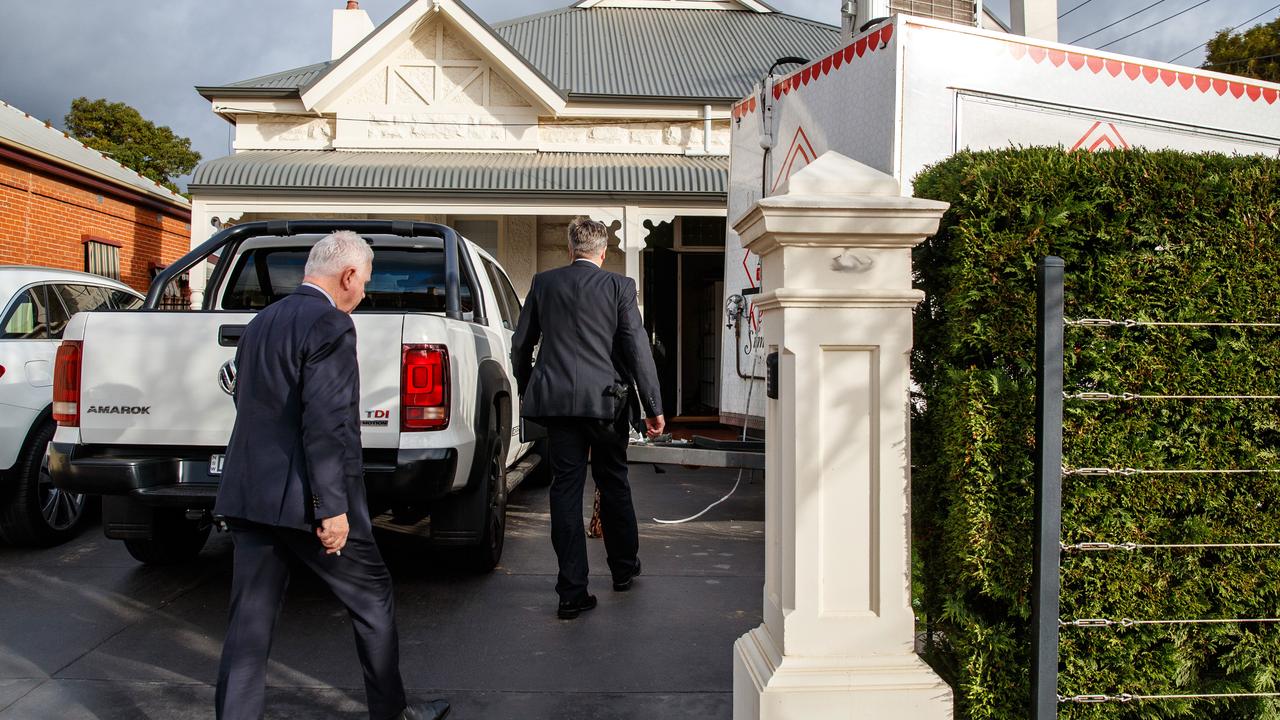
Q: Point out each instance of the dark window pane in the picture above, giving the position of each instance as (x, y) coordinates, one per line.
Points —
(57, 314)
(122, 300)
(84, 298)
(500, 297)
(512, 299)
(702, 231)
(408, 279)
(26, 321)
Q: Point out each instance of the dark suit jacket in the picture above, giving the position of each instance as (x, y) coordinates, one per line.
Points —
(592, 339)
(295, 456)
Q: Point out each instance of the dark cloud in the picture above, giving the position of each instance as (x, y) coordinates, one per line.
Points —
(152, 54)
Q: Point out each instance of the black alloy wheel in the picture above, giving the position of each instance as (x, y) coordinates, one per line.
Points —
(37, 513)
(488, 553)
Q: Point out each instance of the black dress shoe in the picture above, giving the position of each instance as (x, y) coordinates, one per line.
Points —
(625, 585)
(430, 710)
(574, 608)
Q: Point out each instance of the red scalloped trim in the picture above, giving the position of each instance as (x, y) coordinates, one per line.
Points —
(877, 39)
(1132, 71)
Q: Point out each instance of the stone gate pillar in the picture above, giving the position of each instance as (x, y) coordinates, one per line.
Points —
(838, 633)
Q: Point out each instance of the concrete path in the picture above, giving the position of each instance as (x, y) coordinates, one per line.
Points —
(87, 633)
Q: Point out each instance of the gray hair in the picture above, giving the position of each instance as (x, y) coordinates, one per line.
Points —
(337, 252)
(587, 237)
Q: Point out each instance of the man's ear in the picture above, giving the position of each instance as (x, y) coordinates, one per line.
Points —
(349, 278)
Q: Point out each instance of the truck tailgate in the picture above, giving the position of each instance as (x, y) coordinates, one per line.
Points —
(152, 378)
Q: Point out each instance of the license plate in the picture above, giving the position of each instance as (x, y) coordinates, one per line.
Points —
(215, 464)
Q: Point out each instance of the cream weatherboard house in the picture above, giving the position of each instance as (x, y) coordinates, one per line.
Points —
(616, 109)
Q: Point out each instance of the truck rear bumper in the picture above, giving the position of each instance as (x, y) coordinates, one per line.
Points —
(168, 480)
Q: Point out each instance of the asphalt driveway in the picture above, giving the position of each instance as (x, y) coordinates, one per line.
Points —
(87, 633)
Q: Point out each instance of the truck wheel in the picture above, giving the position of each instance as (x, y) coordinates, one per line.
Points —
(486, 555)
(174, 539)
(37, 514)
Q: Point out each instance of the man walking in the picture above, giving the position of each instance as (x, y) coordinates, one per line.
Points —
(293, 486)
(593, 350)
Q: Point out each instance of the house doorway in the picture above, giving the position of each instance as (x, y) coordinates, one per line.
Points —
(684, 314)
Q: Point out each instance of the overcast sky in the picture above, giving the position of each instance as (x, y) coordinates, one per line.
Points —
(151, 54)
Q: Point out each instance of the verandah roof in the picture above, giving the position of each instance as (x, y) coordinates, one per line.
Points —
(478, 172)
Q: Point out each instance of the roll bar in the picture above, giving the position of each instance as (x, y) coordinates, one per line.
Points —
(455, 262)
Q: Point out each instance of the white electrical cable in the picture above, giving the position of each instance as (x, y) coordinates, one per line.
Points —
(751, 385)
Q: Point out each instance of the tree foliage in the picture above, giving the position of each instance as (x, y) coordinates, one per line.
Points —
(1146, 235)
(1253, 53)
(120, 132)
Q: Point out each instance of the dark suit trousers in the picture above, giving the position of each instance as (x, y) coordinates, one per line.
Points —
(570, 441)
(359, 579)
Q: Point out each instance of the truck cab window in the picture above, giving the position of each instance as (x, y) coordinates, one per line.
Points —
(506, 298)
(404, 278)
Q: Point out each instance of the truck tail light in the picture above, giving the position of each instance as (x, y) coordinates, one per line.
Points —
(424, 389)
(66, 384)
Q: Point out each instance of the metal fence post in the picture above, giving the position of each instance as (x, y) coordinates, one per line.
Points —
(1048, 493)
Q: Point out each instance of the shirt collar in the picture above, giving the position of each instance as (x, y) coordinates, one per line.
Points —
(323, 292)
(584, 260)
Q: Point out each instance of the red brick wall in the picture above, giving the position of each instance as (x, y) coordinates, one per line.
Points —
(44, 220)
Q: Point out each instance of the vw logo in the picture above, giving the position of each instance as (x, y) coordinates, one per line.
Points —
(227, 377)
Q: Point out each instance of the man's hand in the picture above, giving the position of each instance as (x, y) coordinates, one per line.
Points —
(333, 533)
(655, 425)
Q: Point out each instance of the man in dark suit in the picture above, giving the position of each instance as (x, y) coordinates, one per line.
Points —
(593, 352)
(293, 485)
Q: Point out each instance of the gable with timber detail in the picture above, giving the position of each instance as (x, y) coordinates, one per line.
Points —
(439, 67)
(436, 89)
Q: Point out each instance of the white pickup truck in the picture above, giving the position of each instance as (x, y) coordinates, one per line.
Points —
(144, 408)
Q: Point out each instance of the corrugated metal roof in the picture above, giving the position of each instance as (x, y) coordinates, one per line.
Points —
(641, 52)
(285, 79)
(327, 170)
(25, 132)
(663, 53)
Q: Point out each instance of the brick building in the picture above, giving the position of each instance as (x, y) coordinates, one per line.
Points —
(65, 206)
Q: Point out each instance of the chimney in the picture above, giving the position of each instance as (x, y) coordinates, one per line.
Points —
(864, 11)
(350, 26)
(848, 12)
(1035, 18)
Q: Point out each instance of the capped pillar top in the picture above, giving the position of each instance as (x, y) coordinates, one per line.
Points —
(836, 201)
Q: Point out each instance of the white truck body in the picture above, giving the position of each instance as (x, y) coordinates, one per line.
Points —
(912, 92)
(155, 413)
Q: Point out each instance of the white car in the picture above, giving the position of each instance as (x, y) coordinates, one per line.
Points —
(37, 305)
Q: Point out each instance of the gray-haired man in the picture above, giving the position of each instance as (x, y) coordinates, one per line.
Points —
(593, 349)
(293, 486)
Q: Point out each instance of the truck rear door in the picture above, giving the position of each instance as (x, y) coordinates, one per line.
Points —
(155, 378)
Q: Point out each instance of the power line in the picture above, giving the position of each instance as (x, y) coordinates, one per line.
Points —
(1237, 27)
(1086, 2)
(1243, 60)
(1158, 22)
(1126, 17)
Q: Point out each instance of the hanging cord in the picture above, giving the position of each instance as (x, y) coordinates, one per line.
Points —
(751, 385)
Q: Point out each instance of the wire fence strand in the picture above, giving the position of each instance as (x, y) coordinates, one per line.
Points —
(1132, 697)
(1126, 472)
(1130, 323)
(1129, 622)
(1087, 547)
(1109, 397)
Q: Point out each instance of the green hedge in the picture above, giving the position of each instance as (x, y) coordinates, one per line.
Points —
(1145, 235)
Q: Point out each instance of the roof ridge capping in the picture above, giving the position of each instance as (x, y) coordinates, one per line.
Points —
(750, 5)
